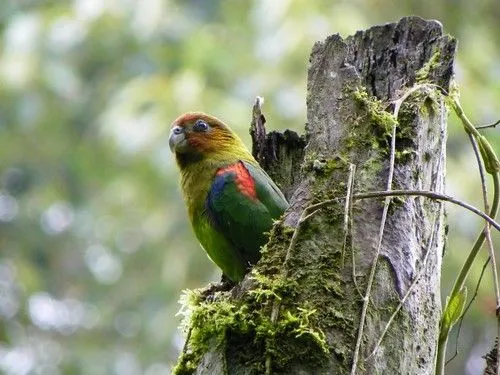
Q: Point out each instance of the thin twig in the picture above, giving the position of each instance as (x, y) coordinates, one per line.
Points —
(489, 241)
(467, 309)
(371, 277)
(303, 217)
(464, 271)
(398, 102)
(429, 194)
(488, 126)
(416, 193)
(410, 288)
(347, 209)
(497, 296)
(350, 223)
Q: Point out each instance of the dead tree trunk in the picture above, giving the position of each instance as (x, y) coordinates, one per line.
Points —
(301, 309)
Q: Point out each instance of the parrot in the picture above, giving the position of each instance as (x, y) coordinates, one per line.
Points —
(231, 201)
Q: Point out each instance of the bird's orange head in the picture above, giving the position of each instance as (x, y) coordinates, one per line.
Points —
(195, 136)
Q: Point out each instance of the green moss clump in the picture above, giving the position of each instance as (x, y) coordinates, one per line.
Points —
(421, 102)
(371, 130)
(279, 238)
(269, 289)
(376, 110)
(295, 336)
(422, 74)
(228, 325)
(204, 321)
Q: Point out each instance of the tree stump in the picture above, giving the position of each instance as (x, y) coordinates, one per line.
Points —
(301, 308)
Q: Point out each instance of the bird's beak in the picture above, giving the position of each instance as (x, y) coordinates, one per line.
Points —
(177, 140)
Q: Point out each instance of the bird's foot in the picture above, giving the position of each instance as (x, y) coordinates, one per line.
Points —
(209, 294)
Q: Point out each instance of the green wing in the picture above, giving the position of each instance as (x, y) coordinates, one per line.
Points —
(242, 203)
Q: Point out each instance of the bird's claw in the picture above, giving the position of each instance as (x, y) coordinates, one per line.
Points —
(210, 293)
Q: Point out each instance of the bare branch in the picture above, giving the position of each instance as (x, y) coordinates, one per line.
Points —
(428, 194)
(488, 126)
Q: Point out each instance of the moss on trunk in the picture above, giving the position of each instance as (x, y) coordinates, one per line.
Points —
(298, 311)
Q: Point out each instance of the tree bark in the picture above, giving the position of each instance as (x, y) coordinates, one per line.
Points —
(299, 311)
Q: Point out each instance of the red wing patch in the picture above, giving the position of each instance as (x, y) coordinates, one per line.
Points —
(244, 181)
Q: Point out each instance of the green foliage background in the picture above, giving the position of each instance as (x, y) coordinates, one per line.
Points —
(95, 247)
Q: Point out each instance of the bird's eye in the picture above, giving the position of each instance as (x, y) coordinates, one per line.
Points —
(200, 126)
